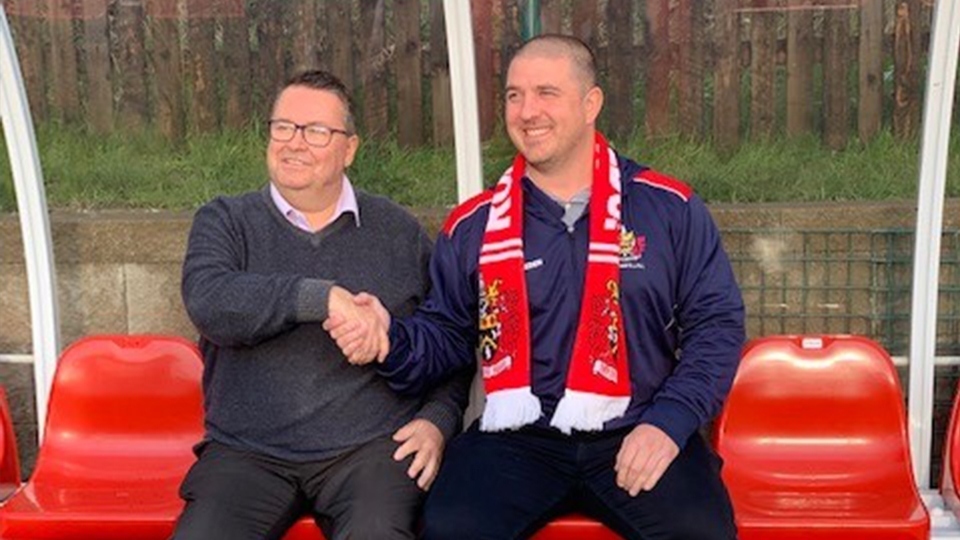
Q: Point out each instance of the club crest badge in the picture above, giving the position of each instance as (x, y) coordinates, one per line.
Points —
(632, 247)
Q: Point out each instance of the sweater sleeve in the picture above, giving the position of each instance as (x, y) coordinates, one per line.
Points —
(440, 337)
(231, 306)
(710, 315)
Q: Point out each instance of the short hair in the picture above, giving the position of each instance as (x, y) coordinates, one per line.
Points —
(570, 47)
(319, 79)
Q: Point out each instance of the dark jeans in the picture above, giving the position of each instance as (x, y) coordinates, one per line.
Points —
(508, 485)
(363, 494)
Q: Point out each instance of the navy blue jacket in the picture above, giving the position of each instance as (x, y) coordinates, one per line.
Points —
(683, 313)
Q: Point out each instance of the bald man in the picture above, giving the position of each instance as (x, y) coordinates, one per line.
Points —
(608, 322)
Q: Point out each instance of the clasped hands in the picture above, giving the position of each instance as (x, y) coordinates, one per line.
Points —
(359, 324)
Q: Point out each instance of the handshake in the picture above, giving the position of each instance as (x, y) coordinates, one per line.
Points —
(359, 324)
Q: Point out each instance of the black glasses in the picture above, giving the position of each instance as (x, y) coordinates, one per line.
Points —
(313, 134)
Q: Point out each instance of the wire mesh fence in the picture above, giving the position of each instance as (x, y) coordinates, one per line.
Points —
(841, 282)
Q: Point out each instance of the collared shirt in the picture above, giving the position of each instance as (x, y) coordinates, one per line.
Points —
(346, 203)
(574, 208)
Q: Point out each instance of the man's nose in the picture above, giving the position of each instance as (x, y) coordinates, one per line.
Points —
(529, 107)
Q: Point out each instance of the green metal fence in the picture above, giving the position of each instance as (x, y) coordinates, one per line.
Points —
(841, 281)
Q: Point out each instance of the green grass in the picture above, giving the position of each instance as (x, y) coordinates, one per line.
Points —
(82, 171)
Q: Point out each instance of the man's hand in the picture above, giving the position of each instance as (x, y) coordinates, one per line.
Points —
(643, 458)
(422, 438)
(359, 326)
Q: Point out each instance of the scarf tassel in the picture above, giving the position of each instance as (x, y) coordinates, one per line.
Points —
(510, 409)
(585, 411)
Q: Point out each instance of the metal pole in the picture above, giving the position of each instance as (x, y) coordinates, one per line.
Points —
(941, 81)
(463, 82)
(530, 20)
(34, 221)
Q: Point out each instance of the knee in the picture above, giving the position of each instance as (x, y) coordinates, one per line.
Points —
(377, 527)
(373, 526)
(376, 521)
(197, 523)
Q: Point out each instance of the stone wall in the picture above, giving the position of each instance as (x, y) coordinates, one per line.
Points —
(119, 272)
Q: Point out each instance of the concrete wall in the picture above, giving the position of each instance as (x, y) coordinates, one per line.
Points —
(119, 272)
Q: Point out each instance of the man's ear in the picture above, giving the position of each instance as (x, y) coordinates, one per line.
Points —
(353, 142)
(593, 102)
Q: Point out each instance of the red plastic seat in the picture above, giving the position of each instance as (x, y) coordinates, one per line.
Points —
(9, 458)
(124, 412)
(950, 481)
(574, 527)
(814, 440)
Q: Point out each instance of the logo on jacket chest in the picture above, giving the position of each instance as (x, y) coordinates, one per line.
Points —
(632, 247)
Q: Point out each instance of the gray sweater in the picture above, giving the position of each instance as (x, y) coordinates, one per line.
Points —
(256, 287)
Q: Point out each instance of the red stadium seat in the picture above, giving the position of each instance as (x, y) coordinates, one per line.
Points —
(9, 460)
(950, 482)
(814, 440)
(123, 415)
(574, 527)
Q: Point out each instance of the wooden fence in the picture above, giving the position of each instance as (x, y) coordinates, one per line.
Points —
(718, 70)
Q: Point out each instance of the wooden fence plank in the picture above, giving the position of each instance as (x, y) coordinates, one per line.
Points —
(906, 74)
(726, 109)
(374, 69)
(481, 13)
(235, 64)
(551, 16)
(96, 47)
(510, 39)
(202, 64)
(164, 30)
(304, 50)
(869, 113)
(657, 110)
(27, 25)
(130, 70)
(691, 27)
(269, 66)
(440, 91)
(409, 95)
(799, 67)
(340, 32)
(835, 68)
(763, 47)
(620, 118)
(64, 77)
(583, 21)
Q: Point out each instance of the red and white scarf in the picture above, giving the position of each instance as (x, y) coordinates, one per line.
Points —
(598, 379)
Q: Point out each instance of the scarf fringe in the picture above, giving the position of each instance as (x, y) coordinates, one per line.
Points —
(510, 409)
(585, 411)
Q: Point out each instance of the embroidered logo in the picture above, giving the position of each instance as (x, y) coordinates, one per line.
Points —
(632, 247)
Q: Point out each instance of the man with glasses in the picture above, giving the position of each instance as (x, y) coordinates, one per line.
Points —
(291, 428)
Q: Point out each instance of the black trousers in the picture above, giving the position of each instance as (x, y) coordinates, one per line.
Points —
(363, 494)
(507, 485)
